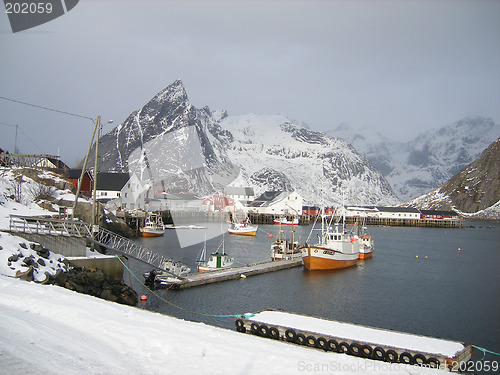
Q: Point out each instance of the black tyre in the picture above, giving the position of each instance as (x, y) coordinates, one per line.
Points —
(290, 335)
(311, 341)
(379, 354)
(301, 339)
(391, 356)
(406, 358)
(274, 333)
(254, 328)
(332, 345)
(263, 330)
(366, 351)
(419, 359)
(355, 349)
(321, 343)
(344, 348)
(433, 362)
(240, 326)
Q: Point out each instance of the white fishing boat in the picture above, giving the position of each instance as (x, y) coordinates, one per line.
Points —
(153, 227)
(284, 249)
(285, 221)
(246, 228)
(336, 248)
(216, 261)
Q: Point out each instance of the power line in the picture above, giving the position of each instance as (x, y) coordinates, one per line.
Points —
(46, 108)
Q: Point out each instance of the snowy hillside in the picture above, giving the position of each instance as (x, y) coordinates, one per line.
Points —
(414, 168)
(175, 145)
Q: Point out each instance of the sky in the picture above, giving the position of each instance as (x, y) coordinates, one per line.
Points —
(400, 67)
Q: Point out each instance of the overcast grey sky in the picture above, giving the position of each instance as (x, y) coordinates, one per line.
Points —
(398, 66)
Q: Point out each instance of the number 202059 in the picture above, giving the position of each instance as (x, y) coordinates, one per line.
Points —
(28, 8)
(473, 366)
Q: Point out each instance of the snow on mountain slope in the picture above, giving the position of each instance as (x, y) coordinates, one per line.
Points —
(273, 153)
(176, 145)
(414, 168)
(474, 191)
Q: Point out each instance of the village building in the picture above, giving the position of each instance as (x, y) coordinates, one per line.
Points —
(110, 185)
(52, 163)
(87, 181)
(277, 203)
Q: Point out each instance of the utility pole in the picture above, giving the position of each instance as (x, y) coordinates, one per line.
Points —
(95, 218)
(15, 141)
(97, 123)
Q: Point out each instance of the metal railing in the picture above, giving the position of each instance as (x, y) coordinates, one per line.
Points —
(95, 234)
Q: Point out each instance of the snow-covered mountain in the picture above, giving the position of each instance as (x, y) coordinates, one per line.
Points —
(176, 145)
(414, 168)
(474, 191)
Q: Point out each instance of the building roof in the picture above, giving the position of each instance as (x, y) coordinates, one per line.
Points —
(75, 173)
(111, 181)
(268, 196)
(57, 163)
(398, 209)
(438, 212)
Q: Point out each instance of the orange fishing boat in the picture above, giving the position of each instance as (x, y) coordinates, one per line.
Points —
(336, 248)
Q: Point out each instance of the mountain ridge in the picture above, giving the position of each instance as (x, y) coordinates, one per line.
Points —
(474, 191)
(175, 144)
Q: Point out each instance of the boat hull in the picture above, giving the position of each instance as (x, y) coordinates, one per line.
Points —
(243, 232)
(363, 256)
(286, 222)
(152, 233)
(318, 258)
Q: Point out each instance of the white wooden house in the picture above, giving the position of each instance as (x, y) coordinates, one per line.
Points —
(277, 203)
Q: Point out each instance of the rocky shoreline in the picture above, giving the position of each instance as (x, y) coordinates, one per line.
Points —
(30, 261)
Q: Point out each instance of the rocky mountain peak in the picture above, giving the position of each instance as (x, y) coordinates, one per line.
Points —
(474, 190)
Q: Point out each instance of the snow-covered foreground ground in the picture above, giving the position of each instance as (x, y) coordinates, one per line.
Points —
(46, 329)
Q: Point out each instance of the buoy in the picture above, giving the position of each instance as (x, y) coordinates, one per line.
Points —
(144, 297)
(270, 235)
(458, 249)
(426, 257)
(416, 256)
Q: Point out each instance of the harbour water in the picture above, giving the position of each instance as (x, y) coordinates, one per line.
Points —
(428, 281)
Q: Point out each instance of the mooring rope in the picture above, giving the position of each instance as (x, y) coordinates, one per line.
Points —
(259, 228)
(484, 351)
(246, 315)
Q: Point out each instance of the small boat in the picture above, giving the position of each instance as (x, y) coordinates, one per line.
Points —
(170, 273)
(335, 249)
(153, 227)
(246, 228)
(285, 221)
(365, 248)
(283, 249)
(366, 244)
(216, 261)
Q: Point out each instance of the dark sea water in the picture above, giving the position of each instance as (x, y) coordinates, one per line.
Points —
(450, 294)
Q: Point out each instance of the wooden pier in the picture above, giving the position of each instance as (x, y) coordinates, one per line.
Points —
(198, 279)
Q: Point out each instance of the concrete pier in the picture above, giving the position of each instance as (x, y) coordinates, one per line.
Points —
(198, 279)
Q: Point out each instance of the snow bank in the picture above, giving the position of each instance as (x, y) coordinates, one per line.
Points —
(51, 330)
